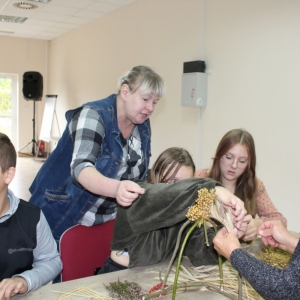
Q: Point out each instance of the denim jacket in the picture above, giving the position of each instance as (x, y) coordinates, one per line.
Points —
(63, 202)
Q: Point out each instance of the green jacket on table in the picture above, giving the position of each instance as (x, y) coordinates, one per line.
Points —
(148, 229)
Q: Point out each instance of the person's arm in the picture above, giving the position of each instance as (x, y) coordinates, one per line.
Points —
(252, 229)
(88, 131)
(269, 282)
(266, 211)
(274, 234)
(9, 287)
(46, 262)
(124, 191)
(163, 205)
(203, 173)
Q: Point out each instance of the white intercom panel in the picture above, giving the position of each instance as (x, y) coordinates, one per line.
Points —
(194, 89)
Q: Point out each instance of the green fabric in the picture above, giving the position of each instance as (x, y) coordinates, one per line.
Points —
(148, 229)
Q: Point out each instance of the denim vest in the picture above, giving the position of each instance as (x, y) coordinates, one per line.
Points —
(62, 201)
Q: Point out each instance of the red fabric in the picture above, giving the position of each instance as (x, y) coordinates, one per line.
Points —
(83, 249)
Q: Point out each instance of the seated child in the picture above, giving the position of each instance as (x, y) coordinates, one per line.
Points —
(146, 232)
(28, 251)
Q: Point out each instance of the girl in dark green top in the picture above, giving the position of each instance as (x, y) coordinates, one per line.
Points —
(145, 233)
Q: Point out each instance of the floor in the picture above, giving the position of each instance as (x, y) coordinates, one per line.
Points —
(27, 168)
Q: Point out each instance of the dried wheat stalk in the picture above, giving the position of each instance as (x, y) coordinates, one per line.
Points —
(208, 277)
(84, 292)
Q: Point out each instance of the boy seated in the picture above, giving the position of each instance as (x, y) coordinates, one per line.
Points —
(28, 251)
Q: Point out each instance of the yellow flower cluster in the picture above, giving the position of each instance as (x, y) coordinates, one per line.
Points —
(201, 210)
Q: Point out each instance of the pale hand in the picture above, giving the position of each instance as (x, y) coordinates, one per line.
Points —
(127, 192)
(12, 286)
(252, 229)
(235, 204)
(274, 233)
(243, 228)
(225, 242)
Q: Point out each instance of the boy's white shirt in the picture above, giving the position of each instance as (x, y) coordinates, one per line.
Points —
(46, 259)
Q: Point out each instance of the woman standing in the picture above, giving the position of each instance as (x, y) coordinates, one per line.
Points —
(105, 146)
(234, 166)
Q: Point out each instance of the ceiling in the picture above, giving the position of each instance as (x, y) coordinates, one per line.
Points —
(46, 21)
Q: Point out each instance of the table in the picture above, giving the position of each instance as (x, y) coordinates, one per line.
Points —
(146, 277)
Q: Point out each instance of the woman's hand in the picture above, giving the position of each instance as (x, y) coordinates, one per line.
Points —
(225, 242)
(274, 233)
(243, 228)
(252, 229)
(127, 192)
(236, 205)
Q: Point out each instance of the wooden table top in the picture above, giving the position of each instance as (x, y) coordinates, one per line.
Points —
(146, 277)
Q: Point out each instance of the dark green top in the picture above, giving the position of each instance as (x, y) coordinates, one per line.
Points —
(148, 229)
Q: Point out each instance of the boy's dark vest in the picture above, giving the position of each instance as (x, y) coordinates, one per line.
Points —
(18, 239)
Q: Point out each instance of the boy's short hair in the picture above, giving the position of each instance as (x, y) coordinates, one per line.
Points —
(8, 155)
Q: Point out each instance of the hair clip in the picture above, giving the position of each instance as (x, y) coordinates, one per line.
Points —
(123, 79)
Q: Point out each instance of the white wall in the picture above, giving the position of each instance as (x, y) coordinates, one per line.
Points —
(86, 64)
(252, 53)
(17, 56)
(251, 49)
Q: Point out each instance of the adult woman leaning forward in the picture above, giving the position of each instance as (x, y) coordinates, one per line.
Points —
(105, 146)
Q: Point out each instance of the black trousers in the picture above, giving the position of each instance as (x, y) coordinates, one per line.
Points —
(110, 266)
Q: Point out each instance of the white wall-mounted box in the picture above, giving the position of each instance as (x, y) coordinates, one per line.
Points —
(194, 89)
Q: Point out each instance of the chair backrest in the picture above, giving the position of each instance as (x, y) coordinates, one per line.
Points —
(83, 249)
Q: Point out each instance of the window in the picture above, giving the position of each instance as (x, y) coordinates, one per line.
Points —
(9, 106)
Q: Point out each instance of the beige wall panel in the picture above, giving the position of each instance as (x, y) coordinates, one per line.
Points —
(251, 49)
(17, 57)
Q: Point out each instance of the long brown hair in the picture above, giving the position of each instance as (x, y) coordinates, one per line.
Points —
(162, 169)
(246, 185)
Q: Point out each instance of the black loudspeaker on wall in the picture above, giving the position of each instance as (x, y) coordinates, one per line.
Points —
(32, 86)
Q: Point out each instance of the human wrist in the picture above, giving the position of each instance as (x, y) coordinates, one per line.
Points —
(232, 249)
(258, 223)
(25, 284)
(292, 243)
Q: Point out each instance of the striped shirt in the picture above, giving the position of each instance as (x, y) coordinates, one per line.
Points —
(88, 131)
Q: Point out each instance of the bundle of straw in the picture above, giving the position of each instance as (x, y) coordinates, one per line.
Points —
(221, 213)
(207, 277)
(84, 292)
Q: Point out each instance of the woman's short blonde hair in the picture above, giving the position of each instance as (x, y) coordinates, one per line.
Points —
(145, 79)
